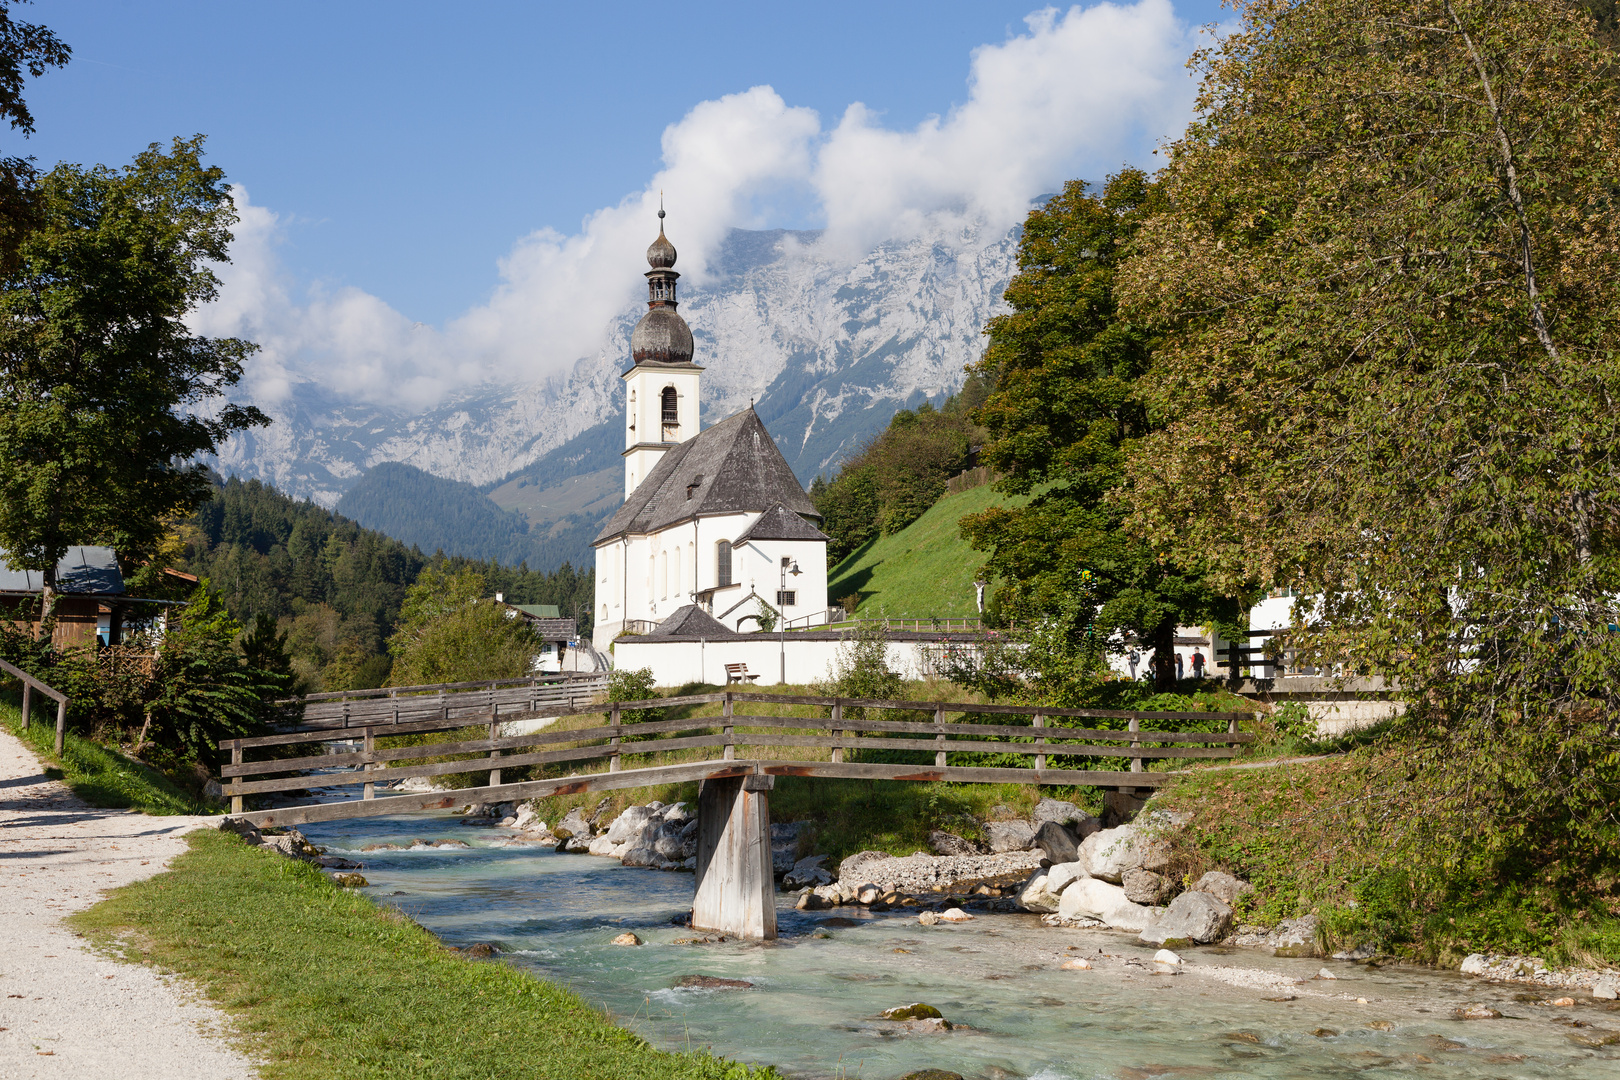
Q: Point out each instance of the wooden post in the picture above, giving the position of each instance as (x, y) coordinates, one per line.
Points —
(236, 781)
(28, 700)
(1136, 744)
(370, 790)
(728, 731)
(837, 732)
(1040, 740)
(735, 888)
(939, 740)
(345, 714)
(614, 763)
(494, 733)
(61, 725)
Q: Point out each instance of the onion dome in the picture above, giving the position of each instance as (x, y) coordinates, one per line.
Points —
(662, 336)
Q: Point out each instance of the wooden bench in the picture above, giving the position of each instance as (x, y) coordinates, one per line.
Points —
(738, 673)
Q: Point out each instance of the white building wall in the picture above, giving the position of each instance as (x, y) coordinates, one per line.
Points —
(643, 418)
(675, 663)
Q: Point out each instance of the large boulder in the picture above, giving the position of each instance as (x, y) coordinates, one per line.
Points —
(604, 845)
(1194, 917)
(850, 868)
(576, 824)
(1006, 836)
(1043, 892)
(1144, 886)
(640, 853)
(945, 843)
(1079, 822)
(1296, 937)
(1111, 852)
(1092, 898)
(1057, 842)
(677, 812)
(1606, 988)
(628, 824)
(807, 872)
(667, 840)
(1224, 887)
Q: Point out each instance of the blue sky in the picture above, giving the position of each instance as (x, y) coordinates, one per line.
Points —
(402, 149)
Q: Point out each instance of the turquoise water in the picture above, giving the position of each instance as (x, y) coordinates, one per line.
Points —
(812, 1010)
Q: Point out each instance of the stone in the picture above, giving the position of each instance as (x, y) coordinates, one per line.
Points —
(945, 843)
(241, 828)
(1324, 973)
(576, 845)
(1192, 916)
(867, 894)
(1111, 852)
(915, 1011)
(1079, 822)
(350, 881)
(525, 817)
(931, 1026)
(928, 918)
(850, 867)
(669, 846)
(575, 824)
(640, 853)
(626, 938)
(783, 858)
(1606, 988)
(808, 871)
(1044, 890)
(954, 914)
(1475, 964)
(811, 902)
(1079, 964)
(932, 1074)
(1144, 886)
(628, 825)
(1004, 836)
(1296, 937)
(334, 862)
(1224, 887)
(481, 950)
(605, 845)
(1154, 853)
(677, 813)
(711, 982)
(1165, 956)
(1057, 842)
(1360, 952)
(1476, 1011)
(1093, 898)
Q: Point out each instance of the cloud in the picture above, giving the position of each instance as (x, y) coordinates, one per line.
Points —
(1078, 93)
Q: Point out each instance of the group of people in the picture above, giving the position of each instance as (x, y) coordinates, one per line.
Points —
(1196, 661)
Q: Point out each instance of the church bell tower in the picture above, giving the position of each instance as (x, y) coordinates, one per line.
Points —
(661, 389)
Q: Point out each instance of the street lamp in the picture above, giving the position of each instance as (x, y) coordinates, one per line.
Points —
(789, 566)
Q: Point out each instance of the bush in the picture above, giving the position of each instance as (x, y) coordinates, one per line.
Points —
(633, 685)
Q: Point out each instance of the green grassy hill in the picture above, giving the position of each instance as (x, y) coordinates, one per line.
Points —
(925, 569)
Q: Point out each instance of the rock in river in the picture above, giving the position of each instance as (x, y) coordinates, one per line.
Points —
(1144, 886)
(626, 938)
(1079, 822)
(710, 982)
(1007, 836)
(1093, 898)
(1043, 892)
(915, 1011)
(1111, 852)
(1057, 842)
(945, 843)
(1223, 887)
(1193, 917)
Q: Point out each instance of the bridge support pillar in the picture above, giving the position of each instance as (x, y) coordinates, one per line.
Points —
(736, 891)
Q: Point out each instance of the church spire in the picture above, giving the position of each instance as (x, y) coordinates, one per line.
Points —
(662, 336)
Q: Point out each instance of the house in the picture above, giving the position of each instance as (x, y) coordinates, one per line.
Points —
(92, 604)
(554, 631)
(711, 517)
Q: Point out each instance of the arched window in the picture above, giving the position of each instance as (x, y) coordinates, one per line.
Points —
(663, 575)
(677, 574)
(722, 563)
(604, 613)
(671, 406)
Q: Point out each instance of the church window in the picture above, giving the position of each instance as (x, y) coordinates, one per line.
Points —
(786, 598)
(671, 409)
(663, 574)
(677, 574)
(722, 563)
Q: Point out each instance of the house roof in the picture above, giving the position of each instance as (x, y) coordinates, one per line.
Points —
(539, 611)
(780, 523)
(84, 570)
(689, 620)
(733, 467)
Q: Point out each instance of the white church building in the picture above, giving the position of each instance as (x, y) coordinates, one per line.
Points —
(714, 519)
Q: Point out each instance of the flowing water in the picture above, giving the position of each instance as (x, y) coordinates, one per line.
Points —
(818, 990)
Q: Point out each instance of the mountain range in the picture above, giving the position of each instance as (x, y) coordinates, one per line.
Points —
(826, 350)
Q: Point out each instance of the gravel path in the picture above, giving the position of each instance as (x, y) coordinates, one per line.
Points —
(66, 1012)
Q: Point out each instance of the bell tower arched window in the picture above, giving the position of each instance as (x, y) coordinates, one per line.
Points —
(670, 408)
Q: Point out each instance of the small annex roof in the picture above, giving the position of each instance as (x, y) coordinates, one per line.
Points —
(779, 523)
(539, 611)
(689, 620)
(733, 467)
(85, 570)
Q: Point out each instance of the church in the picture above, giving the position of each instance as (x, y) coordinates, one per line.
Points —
(713, 520)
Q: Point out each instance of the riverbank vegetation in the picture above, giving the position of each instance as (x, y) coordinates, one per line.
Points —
(322, 983)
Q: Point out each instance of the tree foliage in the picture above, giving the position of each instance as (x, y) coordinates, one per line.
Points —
(448, 632)
(1071, 379)
(1389, 273)
(26, 49)
(110, 397)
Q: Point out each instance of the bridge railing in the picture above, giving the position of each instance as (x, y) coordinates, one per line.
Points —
(844, 737)
(533, 694)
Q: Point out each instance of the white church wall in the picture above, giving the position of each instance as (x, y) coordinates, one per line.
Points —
(675, 663)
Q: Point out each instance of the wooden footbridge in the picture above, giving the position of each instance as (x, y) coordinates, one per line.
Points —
(734, 744)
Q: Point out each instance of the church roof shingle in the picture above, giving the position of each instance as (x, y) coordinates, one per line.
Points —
(733, 467)
(690, 619)
(780, 523)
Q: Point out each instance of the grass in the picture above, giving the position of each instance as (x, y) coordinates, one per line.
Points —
(323, 983)
(1320, 837)
(925, 569)
(96, 774)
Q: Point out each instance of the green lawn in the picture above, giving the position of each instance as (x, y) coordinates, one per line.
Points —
(323, 983)
(96, 774)
(925, 569)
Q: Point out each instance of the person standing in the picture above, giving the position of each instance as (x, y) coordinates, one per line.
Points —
(1198, 664)
(1179, 675)
(1133, 658)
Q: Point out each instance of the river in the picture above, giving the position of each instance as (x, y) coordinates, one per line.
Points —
(818, 989)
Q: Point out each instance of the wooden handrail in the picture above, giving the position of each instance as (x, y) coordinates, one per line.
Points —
(31, 684)
(479, 684)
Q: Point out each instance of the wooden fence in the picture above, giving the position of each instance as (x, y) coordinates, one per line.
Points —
(548, 695)
(845, 725)
(29, 685)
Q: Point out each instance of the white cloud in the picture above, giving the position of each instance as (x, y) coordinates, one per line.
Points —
(1077, 94)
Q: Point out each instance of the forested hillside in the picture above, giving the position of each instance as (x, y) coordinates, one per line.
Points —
(436, 514)
(333, 586)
